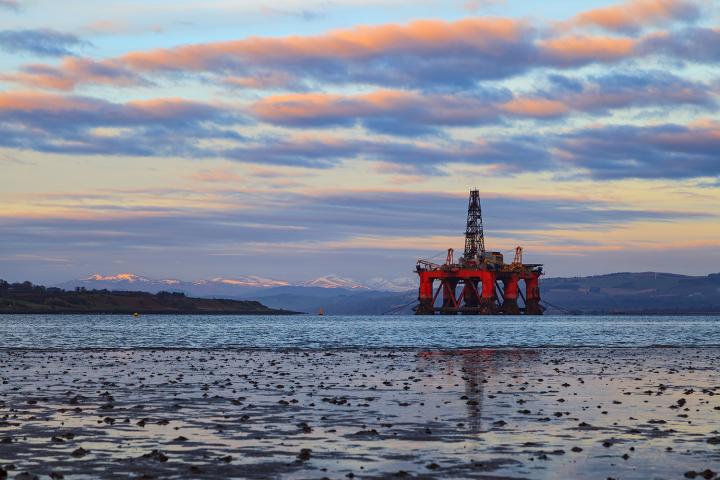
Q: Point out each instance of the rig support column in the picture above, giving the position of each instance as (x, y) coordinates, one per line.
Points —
(471, 302)
(532, 295)
(510, 295)
(487, 298)
(425, 297)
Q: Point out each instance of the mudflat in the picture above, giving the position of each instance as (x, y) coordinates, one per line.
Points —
(625, 413)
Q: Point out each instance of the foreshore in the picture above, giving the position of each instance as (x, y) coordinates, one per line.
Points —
(550, 413)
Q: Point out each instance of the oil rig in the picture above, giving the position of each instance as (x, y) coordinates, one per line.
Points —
(480, 283)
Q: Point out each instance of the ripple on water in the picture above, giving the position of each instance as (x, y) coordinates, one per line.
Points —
(306, 331)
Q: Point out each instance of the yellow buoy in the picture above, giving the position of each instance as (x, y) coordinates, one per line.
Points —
(136, 314)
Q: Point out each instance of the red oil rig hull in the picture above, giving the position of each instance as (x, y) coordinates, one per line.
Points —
(480, 283)
(473, 292)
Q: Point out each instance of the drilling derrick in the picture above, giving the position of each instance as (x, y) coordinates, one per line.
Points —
(481, 283)
(474, 235)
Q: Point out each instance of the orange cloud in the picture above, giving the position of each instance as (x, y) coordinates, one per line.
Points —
(52, 81)
(575, 49)
(303, 105)
(217, 175)
(32, 101)
(74, 70)
(535, 107)
(321, 108)
(478, 33)
(700, 136)
(159, 108)
(635, 14)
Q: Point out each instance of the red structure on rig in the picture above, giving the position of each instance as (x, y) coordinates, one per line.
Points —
(480, 283)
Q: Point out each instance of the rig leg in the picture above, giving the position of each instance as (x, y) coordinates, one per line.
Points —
(488, 306)
(510, 304)
(471, 297)
(532, 295)
(425, 296)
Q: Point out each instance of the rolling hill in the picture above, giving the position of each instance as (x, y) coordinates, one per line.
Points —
(27, 298)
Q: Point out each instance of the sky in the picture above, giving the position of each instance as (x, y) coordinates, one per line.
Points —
(293, 139)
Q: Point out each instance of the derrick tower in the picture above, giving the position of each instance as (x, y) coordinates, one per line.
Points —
(474, 235)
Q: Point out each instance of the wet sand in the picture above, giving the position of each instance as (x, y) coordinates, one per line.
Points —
(486, 413)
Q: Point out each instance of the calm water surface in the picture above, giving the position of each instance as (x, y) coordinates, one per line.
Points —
(124, 331)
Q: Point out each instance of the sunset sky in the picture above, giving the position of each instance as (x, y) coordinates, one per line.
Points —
(292, 139)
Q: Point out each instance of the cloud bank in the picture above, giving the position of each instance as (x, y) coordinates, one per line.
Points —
(405, 96)
(43, 42)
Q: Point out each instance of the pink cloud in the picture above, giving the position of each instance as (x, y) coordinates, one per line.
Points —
(142, 110)
(359, 42)
(383, 111)
(574, 50)
(74, 70)
(633, 15)
(217, 175)
(535, 107)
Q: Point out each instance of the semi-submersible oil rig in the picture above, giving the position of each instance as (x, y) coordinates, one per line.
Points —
(480, 283)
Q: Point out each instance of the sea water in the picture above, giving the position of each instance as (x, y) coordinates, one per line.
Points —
(306, 331)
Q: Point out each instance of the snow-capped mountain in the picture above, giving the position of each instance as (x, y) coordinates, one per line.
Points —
(245, 281)
(400, 284)
(124, 281)
(127, 278)
(333, 281)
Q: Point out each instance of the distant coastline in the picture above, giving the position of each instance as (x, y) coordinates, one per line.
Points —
(26, 298)
(153, 312)
(623, 293)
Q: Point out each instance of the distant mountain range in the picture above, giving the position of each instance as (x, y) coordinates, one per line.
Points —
(243, 284)
(630, 293)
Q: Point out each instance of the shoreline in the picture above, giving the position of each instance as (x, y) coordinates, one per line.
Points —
(354, 349)
(281, 312)
(162, 312)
